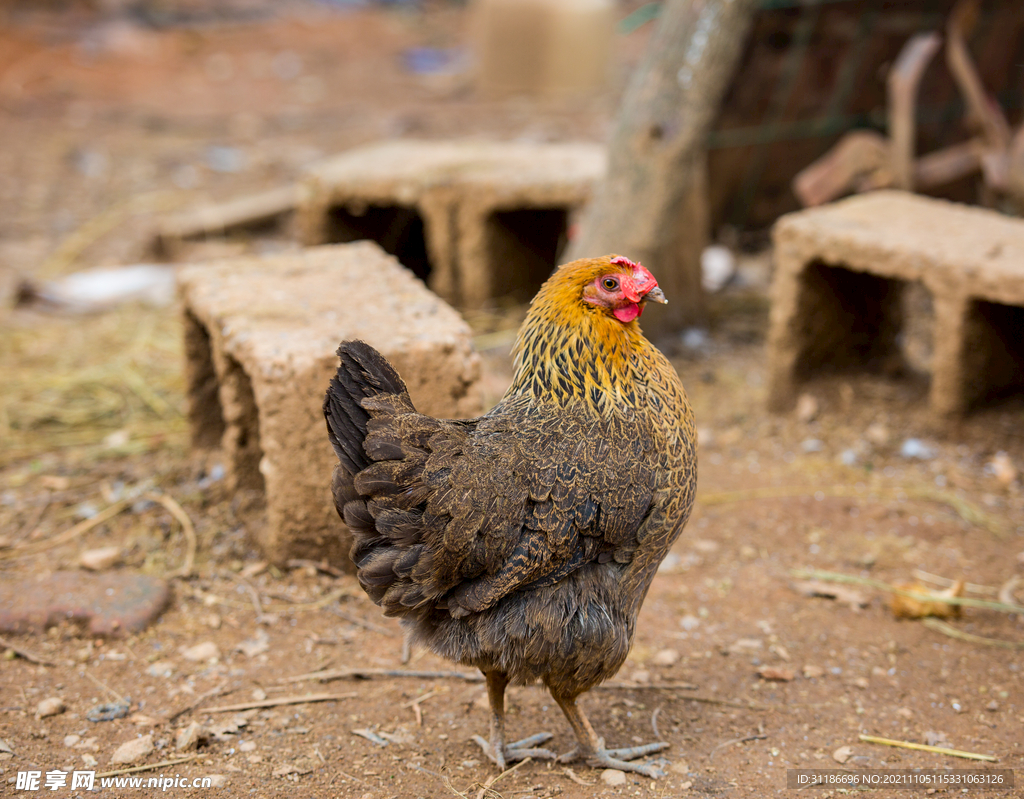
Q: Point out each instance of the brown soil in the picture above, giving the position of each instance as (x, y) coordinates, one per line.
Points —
(86, 129)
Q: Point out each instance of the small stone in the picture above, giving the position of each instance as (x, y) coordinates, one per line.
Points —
(992, 706)
(877, 434)
(807, 408)
(71, 740)
(162, 668)
(90, 761)
(217, 780)
(861, 682)
(842, 754)
(915, 448)
(905, 712)
(201, 652)
(936, 738)
(641, 676)
(50, 707)
(812, 445)
(612, 776)
(101, 559)
(774, 674)
(187, 738)
(666, 657)
(813, 672)
(680, 767)
(745, 646)
(247, 746)
(1002, 467)
(689, 622)
(133, 751)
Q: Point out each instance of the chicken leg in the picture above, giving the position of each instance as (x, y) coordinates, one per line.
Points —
(591, 746)
(496, 749)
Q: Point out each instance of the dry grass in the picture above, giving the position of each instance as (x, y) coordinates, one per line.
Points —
(75, 381)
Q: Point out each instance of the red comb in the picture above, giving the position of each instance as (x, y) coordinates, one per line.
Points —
(622, 260)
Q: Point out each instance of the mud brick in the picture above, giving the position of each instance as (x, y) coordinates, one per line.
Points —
(260, 338)
(113, 604)
(476, 220)
(858, 281)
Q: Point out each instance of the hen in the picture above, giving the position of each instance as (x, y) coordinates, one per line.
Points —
(523, 542)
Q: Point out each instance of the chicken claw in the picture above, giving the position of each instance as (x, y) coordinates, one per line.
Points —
(591, 747)
(618, 758)
(499, 752)
(520, 750)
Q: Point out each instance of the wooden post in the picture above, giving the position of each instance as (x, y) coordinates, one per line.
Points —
(652, 204)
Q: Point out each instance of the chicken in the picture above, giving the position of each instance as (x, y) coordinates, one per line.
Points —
(523, 542)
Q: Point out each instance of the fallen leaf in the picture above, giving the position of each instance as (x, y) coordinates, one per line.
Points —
(842, 754)
(905, 607)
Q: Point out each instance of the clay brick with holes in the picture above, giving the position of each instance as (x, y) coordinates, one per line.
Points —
(260, 341)
(476, 220)
(893, 280)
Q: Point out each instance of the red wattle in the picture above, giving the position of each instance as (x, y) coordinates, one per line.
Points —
(627, 313)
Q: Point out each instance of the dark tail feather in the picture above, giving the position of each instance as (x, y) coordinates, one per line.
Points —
(363, 373)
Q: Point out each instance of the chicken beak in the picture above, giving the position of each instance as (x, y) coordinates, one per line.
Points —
(656, 295)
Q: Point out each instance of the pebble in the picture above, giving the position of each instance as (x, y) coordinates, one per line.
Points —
(916, 448)
(71, 740)
(812, 445)
(666, 657)
(200, 652)
(162, 668)
(217, 780)
(689, 622)
(807, 407)
(52, 706)
(187, 738)
(612, 776)
(100, 559)
(1003, 469)
(877, 434)
(813, 672)
(247, 746)
(134, 750)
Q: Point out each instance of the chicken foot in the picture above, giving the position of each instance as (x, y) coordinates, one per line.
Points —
(591, 746)
(499, 752)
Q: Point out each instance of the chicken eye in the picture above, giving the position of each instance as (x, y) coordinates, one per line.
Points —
(610, 283)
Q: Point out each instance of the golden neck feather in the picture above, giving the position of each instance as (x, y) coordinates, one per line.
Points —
(569, 350)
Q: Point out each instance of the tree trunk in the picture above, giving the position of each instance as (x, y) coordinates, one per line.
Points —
(652, 205)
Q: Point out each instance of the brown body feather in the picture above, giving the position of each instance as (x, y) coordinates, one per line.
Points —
(525, 540)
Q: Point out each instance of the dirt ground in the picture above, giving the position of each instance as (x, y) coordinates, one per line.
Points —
(106, 123)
